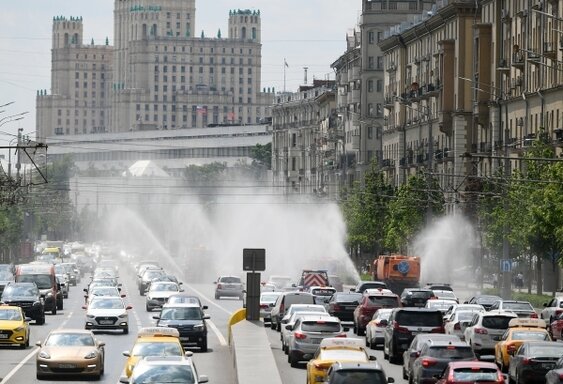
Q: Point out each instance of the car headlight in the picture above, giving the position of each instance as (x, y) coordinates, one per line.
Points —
(44, 355)
(90, 316)
(149, 297)
(49, 293)
(198, 327)
(91, 355)
(123, 315)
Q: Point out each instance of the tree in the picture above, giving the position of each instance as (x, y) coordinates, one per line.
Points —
(409, 210)
(262, 155)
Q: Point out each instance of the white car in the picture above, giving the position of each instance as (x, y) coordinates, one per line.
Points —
(552, 309)
(463, 307)
(375, 329)
(459, 321)
(107, 313)
(267, 301)
(101, 291)
(442, 305)
(445, 295)
(62, 278)
(285, 334)
(159, 292)
(486, 329)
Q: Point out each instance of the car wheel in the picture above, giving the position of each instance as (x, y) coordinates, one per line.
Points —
(361, 331)
(126, 331)
(141, 292)
(60, 305)
(405, 376)
(216, 297)
(203, 346)
(41, 320)
(385, 353)
(54, 310)
(355, 329)
(368, 342)
(147, 308)
(39, 376)
(293, 360)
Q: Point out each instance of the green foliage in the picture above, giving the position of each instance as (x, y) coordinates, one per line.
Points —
(536, 300)
(11, 222)
(366, 208)
(408, 211)
(204, 173)
(262, 155)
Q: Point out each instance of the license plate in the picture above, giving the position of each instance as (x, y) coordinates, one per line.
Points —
(547, 365)
(315, 341)
(3, 336)
(497, 337)
(67, 366)
(106, 322)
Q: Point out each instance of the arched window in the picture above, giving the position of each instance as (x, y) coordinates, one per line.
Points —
(253, 33)
(243, 33)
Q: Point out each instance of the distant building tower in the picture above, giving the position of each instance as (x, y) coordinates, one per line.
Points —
(245, 25)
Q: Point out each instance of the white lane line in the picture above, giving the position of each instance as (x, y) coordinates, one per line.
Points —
(215, 330)
(31, 354)
(18, 367)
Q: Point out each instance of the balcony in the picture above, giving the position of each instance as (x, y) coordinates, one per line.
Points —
(518, 60)
(534, 58)
(386, 163)
(503, 66)
(558, 133)
(549, 50)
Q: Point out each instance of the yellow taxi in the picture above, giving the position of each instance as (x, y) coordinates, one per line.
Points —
(154, 341)
(519, 331)
(331, 350)
(14, 326)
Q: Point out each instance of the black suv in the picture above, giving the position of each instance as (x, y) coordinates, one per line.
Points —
(404, 324)
(26, 296)
(416, 297)
(363, 285)
(435, 356)
(189, 320)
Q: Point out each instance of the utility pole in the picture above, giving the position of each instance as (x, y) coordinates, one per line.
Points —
(429, 175)
(506, 290)
(18, 164)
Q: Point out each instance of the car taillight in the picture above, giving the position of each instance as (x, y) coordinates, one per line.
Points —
(438, 330)
(511, 348)
(341, 335)
(500, 378)
(364, 310)
(561, 376)
(336, 307)
(534, 316)
(300, 335)
(558, 312)
(526, 361)
(398, 328)
(428, 362)
(457, 327)
(481, 331)
(264, 306)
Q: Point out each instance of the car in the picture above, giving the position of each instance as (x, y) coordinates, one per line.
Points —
(485, 300)
(435, 356)
(146, 278)
(486, 329)
(363, 285)
(158, 294)
(374, 329)
(280, 282)
(283, 303)
(416, 297)
(98, 291)
(343, 304)
(267, 287)
(335, 282)
(439, 286)
(6, 277)
(153, 341)
(371, 301)
(107, 312)
(28, 298)
(556, 328)
(229, 286)
(552, 309)
(70, 352)
(413, 352)
(72, 272)
(43, 275)
(322, 294)
(462, 307)
(463, 372)
(332, 350)
(267, 302)
(442, 305)
(445, 294)
(519, 330)
(459, 320)
(533, 360)
(555, 376)
(183, 298)
(165, 369)
(189, 320)
(285, 333)
(14, 326)
(404, 324)
(357, 373)
(522, 308)
(307, 334)
(62, 281)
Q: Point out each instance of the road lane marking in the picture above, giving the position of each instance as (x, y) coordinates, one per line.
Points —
(32, 353)
(218, 333)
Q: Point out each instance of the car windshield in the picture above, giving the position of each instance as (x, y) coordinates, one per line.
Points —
(106, 304)
(230, 280)
(496, 322)
(10, 315)
(348, 297)
(420, 319)
(164, 374)
(268, 298)
(320, 326)
(487, 299)
(183, 299)
(339, 354)
(152, 273)
(294, 309)
(518, 306)
(20, 290)
(438, 304)
(153, 348)
(191, 313)
(383, 301)
(420, 294)
(465, 316)
(69, 340)
(475, 374)
(451, 352)
(104, 291)
(445, 294)
(164, 287)
(5, 276)
(530, 336)
(358, 376)
(42, 281)
(555, 350)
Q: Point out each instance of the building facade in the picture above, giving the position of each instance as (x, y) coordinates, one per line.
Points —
(158, 76)
(468, 86)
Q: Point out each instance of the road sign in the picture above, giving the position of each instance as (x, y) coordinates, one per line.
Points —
(253, 259)
(505, 265)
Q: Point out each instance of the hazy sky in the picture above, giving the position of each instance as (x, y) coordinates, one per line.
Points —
(308, 33)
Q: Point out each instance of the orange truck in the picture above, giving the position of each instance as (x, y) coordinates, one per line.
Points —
(397, 271)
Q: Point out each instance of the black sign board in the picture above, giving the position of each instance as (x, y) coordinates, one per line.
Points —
(253, 259)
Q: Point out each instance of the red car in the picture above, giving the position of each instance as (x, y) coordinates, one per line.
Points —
(372, 300)
(556, 328)
(470, 372)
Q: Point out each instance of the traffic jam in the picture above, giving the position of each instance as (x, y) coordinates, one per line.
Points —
(326, 330)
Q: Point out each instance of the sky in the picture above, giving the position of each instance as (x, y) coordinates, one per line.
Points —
(306, 33)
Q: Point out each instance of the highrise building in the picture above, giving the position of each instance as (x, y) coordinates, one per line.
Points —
(159, 74)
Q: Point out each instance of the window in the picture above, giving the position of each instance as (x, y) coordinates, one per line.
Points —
(379, 62)
(371, 37)
(371, 62)
(370, 132)
(370, 85)
(379, 86)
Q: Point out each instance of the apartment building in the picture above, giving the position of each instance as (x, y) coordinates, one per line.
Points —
(468, 84)
(158, 76)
